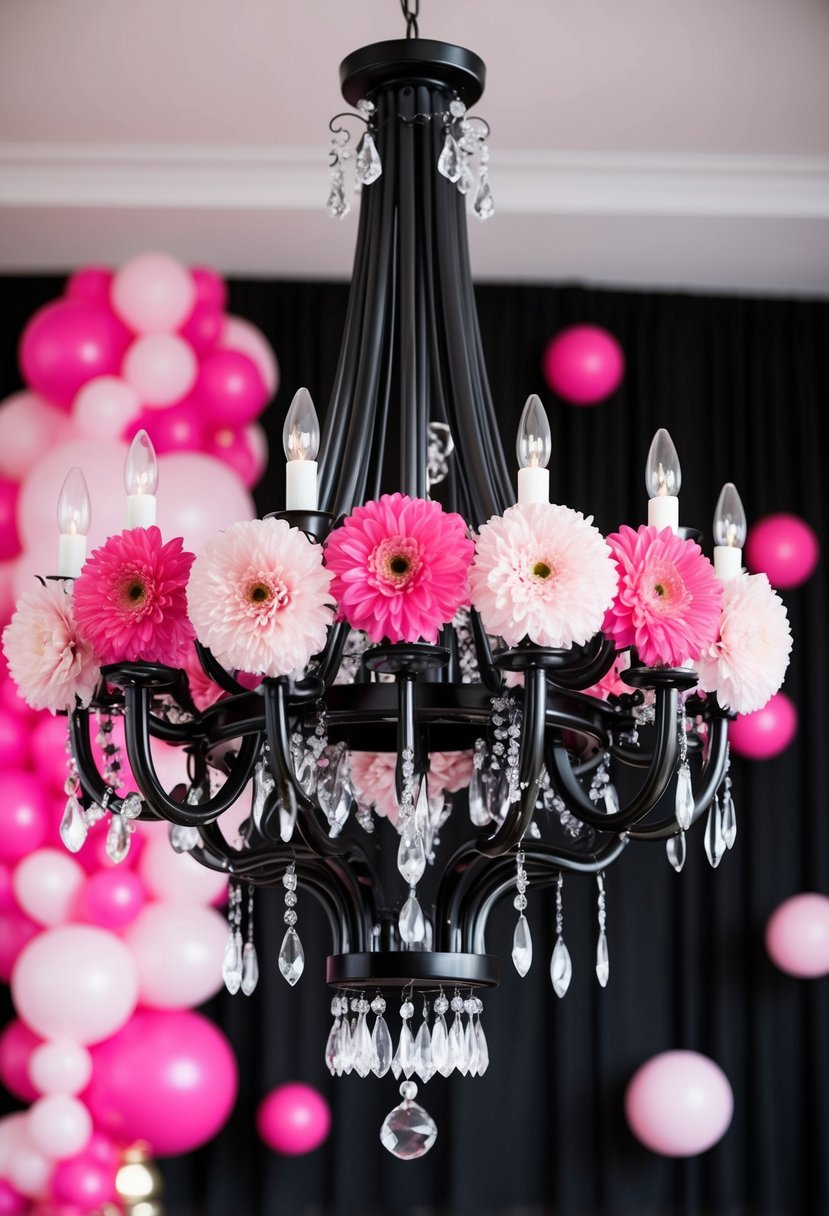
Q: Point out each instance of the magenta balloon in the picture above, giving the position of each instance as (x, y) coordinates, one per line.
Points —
(203, 327)
(767, 732)
(199, 496)
(232, 445)
(14, 739)
(152, 293)
(85, 1182)
(67, 343)
(797, 935)
(17, 1043)
(177, 429)
(7, 901)
(29, 427)
(210, 287)
(13, 703)
(583, 364)
(91, 284)
(784, 548)
(12, 1202)
(113, 898)
(48, 747)
(24, 812)
(102, 463)
(188, 1081)
(230, 388)
(293, 1119)
(9, 540)
(161, 368)
(679, 1103)
(240, 334)
(16, 931)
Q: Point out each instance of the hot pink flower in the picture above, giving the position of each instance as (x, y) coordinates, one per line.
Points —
(400, 568)
(746, 664)
(668, 600)
(259, 597)
(50, 664)
(130, 599)
(373, 777)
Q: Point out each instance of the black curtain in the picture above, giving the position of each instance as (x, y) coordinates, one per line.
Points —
(743, 385)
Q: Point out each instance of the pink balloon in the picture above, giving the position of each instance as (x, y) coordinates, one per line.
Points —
(113, 898)
(76, 982)
(583, 364)
(48, 746)
(7, 903)
(17, 1045)
(60, 1067)
(293, 1119)
(102, 462)
(176, 877)
(102, 1149)
(47, 885)
(91, 284)
(258, 444)
(199, 496)
(177, 429)
(178, 954)
(230, 388)
(162, 368)
(679, 1103)
(232, 445)
(14, 739)
(59, 1126)
(784, 548)
(16, 931)
(104, 407)
(240, 334)
(9, 540)
(188, 1081)
(23, 814)
(13, 703)
(797, 935)
(29, 1171)
(12, 1129)
(12, 1203)
(67, 343)
(153, 293)
(7, 597)
(210, 287)
(85, 1182)
(203, 327)
(29, 427)
(767, 732)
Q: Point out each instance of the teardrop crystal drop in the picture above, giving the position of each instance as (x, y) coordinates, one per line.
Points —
(411, 923)
(440, 1043)
(465, 179)
(287, 819)
(714, 839)
(395, 1064)
(602, 960)
(408, 1131)
(291, 956)
(345, 1053)
(561, 967)
(449, 161)
(675, 848)
(684, 797)
(729, 821)
(470, 1048)
(406, 1051)
(337, 205)
(183, 839)
(484, 204)
(457, 1046)
(611, 799)
(131, 806)
(367, 164)
(232, 962)
(411, 857)
(118, 839)
(483, 1048)
(362, 1047)
(522, 946)
(73, 825)
(250, 969)
(381, 1047)
(332, 1046)
(478, 812)
(424, 1065)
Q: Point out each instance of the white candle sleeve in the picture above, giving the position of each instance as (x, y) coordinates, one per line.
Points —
(663, 512)
(71, 554)
(728, 562)
(140, 511)
(301, 485)
(533, 485)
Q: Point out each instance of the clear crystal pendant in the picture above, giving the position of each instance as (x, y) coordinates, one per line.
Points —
(411, 856)
(367, 165)
(73, 825)
(381, 1044)
(423, 1064)
(561, 968)
(232, 962)
(484, 204)
(684, 797)
(118, 839)
(332, 1047)
(250, 969)
(363, 1051)
(337, 205)
(131, 806)
(675, 848)
(449, 161)
(483, 1047)
(602, 956)
(478, 812)
(465, 179)
(183, 839)
(714, 839)
(408, 1131)
(411, 923)
(522, 946)
(287, 820)
(729, 820)
(291, 956)
(405, 1050)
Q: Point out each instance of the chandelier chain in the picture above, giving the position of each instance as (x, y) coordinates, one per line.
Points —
(411, 11)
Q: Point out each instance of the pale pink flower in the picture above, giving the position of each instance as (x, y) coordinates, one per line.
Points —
(612, 684)
(668, 600)
(130, 599)
(259, 598)
(204, 691)
(373, 778)
(400, 568)
(542, 572)
(746, 664)
(51, 665)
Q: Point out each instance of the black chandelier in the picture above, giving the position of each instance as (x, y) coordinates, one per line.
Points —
(411, 383)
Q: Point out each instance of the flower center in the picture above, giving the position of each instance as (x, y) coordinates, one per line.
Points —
(664, 588)
(263, 592)
(542, 570)
(134, 595)
(659, 589)
(136, 591)
(394, 562)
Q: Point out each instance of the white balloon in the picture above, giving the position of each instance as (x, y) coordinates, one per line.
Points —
(177, 877)
(178, 953)
(59, 1126)
(12, 1129)
(29, 1171)
(46, 884)
(60, 1067)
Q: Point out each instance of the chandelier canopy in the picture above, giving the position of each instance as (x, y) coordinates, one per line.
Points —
(407, 640)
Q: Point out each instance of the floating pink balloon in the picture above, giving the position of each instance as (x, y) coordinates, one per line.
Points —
(104, 408)
(230, 388)
(23, 814)
(60, 1067)
(113, 898)
(583, 364)
(232, 445)
(29, 1171)
(29, 427)
(102, 462)
(679, 1103)
(48, 747)
(9, 540)
(203, 328)
(784, 548)
(59, 1126)
(177, 429)
(47, 884)
(91, 284)
(797, 935)
(153, 293)
(240, 334)
(16, 931)
(188, 1082)
(293, 1119)
(14, 739)
(210, 287)
(12, 1203)
(67, 343)
(178, 954)
(17, 1045)
(161, 368)
(174, 877)
(767, 732)
(199, 496)
(85, 1182)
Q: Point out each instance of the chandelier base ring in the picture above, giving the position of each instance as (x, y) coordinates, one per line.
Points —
(681, 678)
(412, 61)
(413, 659)
(424, 970)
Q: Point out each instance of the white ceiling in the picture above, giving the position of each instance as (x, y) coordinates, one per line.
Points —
(647, 142)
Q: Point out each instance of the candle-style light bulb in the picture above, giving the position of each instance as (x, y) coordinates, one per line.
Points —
(301, 441)
(730, 530)
(533, 446)
(663, 478)
(141, 482)
(73, 521)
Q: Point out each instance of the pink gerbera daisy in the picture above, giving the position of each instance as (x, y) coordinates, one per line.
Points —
(400, 568)
(259, 597)
(373, 778)
(668, 600)
(746, 664)
(611, 684)
(130, 599)
(543, 572)
(51, 665)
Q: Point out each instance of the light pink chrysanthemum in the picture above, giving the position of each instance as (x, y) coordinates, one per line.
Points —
(611, 684)
(400, 568)
(668, 600)
(747, 663)
(50, 664)
(373, 777)
(543, 572)
(259, 597)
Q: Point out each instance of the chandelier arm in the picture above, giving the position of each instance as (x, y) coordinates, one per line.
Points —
(598, 660)
(408, 742)
(213, 669)
(331, 657)
(659, 775)
(492, 676)
(412, 357)
(713, 771)
(530, 768)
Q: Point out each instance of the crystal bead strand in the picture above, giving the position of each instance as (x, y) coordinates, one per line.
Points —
(684, 788)
(484, 204)
(232, 960)
(338, 205)
(561, 967)
(367, 164)
(522, 942)
(250, 963)
(602, 959)
(291, 955)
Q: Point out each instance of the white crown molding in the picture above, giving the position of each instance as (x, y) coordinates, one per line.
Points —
(171, 177)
